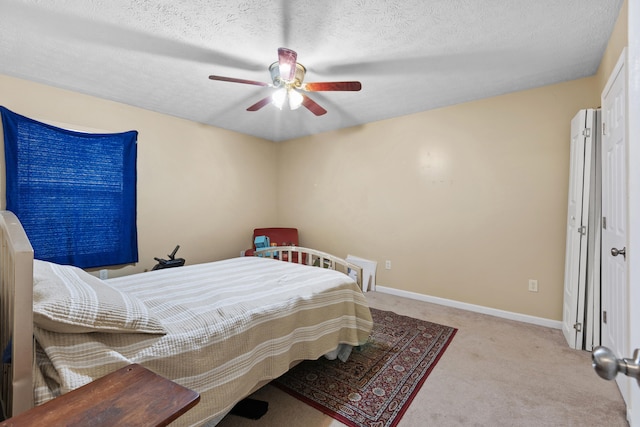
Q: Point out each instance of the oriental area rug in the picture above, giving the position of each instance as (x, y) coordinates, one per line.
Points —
(376, 385)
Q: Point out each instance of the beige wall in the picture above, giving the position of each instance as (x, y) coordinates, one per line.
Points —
(201, 187)
(617, 42)
(468, 202)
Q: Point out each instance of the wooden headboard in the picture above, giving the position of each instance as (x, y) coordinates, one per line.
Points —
(16, 314)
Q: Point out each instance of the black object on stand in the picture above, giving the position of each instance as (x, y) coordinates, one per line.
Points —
(171, 262)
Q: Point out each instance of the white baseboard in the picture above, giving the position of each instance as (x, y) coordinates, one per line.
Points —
(540, 321)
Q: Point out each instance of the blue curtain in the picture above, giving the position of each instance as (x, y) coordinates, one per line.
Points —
(74, 192)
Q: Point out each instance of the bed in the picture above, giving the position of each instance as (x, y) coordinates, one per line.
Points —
(223, 329)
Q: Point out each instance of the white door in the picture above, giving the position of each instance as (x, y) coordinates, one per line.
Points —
(633, 259)
(615, 299)
(575, 273)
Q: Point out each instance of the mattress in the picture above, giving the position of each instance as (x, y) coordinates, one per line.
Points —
(230, 326)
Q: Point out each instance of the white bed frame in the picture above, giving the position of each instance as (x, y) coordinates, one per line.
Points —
(312, 257)
(16, 305)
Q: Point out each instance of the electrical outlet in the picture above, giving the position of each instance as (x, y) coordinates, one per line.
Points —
(387, 265)
(104, 274)
(533, 285)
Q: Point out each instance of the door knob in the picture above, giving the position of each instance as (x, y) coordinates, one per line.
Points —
(607, 365)
(616, 252)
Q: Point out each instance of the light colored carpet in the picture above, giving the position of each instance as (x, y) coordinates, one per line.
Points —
(496, 372)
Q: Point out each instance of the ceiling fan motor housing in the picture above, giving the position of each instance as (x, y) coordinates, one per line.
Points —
(274, 69)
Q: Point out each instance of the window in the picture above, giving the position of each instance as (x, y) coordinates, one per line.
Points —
(74, 192)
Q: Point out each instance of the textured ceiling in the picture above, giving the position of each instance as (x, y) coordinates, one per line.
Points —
(410, 55)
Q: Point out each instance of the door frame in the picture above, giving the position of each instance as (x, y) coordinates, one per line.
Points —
(633, 182)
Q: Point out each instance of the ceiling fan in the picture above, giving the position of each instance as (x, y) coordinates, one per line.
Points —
(287, 76)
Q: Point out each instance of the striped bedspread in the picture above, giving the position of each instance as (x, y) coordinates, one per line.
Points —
(231, 325)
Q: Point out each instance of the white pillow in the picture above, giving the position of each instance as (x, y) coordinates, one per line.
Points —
(67, 299)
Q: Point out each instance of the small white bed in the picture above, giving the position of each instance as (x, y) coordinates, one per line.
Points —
(222, 329)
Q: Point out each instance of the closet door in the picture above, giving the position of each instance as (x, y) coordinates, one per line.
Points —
(577, 219)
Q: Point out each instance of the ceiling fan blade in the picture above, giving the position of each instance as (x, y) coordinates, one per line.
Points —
(287, 61)
(234, 80)
(312, 105)
(334, 86)
(258, 105)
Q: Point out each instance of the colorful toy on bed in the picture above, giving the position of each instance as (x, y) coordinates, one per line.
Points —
(278, 236)
(261, 242)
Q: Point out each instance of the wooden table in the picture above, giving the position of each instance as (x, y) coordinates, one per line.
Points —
(130, 396)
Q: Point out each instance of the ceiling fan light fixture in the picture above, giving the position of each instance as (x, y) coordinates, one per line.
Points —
(279, 97)
(287, 95)
(295, 99)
